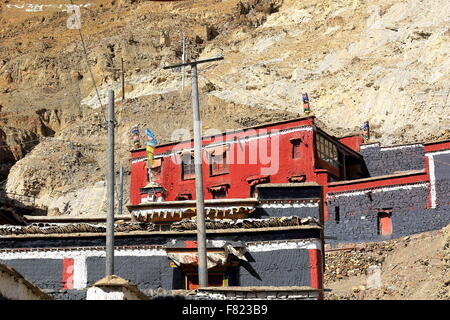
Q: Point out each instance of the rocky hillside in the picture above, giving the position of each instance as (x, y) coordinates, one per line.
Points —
(386, 62)
(414, 267)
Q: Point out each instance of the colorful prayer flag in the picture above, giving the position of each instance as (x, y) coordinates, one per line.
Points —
(150, 154)
(151, 140)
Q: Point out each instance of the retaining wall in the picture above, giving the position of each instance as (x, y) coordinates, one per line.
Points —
(386, 160)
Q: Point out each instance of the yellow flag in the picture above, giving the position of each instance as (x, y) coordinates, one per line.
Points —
(150, 154)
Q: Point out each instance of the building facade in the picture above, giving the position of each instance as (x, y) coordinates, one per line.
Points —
(371, 192)
(277, 243)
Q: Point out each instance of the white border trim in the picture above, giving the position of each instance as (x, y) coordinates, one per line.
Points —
(288, 245)
(401, 147)
(239, 140)
(431, 168)
(289, 205)
(376, 190)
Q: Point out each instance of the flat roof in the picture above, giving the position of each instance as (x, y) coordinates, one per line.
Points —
(60, 219)
(160, 233)
(192, 203)
(284, 185)
(387, 176)
(267, 124)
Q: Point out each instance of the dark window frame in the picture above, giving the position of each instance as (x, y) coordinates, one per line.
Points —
(158, 171)
(296, 143)
(187, 167)
(218, 168)
(327, 151)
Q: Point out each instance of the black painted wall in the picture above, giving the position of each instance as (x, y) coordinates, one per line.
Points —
(380, 161)
(44, 273)
(442, 174)
(263, 268)
(358, 215)
(146, 271)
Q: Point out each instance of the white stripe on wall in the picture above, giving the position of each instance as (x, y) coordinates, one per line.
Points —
(400, 147)
(78, 253)
(245, 140)
(79, 272)
(377, 190)
(288, 245)
(289, 205)
(430, 156)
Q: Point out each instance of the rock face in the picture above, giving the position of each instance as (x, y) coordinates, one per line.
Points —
(386, 62)
(413, 267)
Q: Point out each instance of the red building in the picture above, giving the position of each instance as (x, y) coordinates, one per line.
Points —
(372, 187)
(235, 162)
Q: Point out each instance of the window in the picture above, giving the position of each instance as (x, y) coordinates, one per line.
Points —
(337, 215)
(254, 181)
(214, 280)
(297, 179)
(296, 148)
(187, 166)
(219, 192)
(156, 169)
(218, 160)
(384, 222)
(327, 150)
(184, 196)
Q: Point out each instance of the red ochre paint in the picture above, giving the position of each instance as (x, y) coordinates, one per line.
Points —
(67, 276)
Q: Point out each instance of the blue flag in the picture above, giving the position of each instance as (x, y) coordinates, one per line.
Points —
(151, 140)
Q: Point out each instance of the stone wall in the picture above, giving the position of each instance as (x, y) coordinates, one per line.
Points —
(383, 161)
(145, 271)
(263, 268)
(441, 163)
(150, 269)
(358, 213)
(44, 273)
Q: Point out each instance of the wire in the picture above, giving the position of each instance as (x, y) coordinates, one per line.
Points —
(89, 68)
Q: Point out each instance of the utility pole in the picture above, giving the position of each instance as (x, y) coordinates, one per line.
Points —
(110, 188)
(120, 195)
(201, 230)
(123, 81)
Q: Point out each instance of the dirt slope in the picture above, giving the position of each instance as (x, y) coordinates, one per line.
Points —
(414, 267)
(386, 62)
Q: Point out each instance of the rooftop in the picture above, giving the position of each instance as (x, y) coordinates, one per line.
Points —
(139, 229)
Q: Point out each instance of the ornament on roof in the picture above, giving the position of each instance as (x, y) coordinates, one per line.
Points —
(306, 107)
(136, 137)
(366, 131)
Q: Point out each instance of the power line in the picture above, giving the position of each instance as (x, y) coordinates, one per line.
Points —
(89, 68)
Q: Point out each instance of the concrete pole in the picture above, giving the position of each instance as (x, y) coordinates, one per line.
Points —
(110, 188)
(201, 231)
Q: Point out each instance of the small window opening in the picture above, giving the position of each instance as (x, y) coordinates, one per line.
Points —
(337, 215)
(219, 192)
(296, 148)
(187, 167)
(384, 225)
(218, 164)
